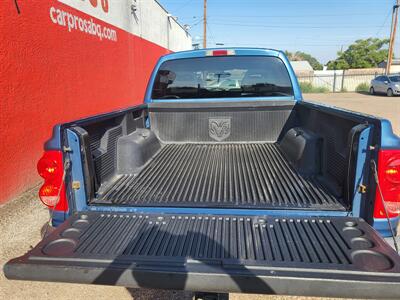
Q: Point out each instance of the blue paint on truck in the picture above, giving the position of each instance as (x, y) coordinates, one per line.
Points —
(387, 141)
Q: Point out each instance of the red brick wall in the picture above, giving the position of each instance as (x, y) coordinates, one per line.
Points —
(50, 75)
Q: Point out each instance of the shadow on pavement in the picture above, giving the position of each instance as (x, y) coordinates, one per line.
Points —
(374, 95)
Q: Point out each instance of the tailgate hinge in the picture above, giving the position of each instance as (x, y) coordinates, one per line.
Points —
(76, 185)
(362, 189)
(67, 149)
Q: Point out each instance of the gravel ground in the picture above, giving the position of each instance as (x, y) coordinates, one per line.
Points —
(22, 220)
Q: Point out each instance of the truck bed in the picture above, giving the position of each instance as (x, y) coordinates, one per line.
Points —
(251, 175)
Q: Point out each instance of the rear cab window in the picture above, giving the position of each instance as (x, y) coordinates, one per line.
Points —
(222, 77)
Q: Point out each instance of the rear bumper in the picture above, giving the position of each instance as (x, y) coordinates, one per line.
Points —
(196, 276)
(330, 256)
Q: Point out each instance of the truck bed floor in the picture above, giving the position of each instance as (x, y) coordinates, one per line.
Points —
(223, 175)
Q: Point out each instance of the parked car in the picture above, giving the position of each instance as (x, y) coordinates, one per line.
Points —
(244, 189)
(389, 85)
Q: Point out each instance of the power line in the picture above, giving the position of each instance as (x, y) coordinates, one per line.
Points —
(291, 26)
(384, 23)
(183, 6)
(286, 24)
(196, 23)
(280, 1)
(285, 44)
(293, 16)
(217, 20)
(307, 42)
(212, 37)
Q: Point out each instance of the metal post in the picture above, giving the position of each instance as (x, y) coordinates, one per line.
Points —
(342, 87)
(392, 36)
(205, 25)
(334, 81)
(168, 24)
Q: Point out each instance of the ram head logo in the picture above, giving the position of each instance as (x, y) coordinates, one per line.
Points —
(219, 128)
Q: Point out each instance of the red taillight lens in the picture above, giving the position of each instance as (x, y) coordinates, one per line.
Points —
(221, 52)
(393, 170)
(389, 180)
(51, 169)
(49, 165)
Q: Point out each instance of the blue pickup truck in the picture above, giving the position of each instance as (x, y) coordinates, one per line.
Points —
(223, 180)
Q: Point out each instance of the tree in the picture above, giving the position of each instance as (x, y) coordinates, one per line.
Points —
(366, 53)
(298, 55)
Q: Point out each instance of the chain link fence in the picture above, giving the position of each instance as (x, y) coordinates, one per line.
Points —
(336, 81)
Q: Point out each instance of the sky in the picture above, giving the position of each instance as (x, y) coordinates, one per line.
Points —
(318, 27)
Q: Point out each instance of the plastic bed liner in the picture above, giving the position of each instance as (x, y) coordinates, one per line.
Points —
(338, 256)
(238, 175)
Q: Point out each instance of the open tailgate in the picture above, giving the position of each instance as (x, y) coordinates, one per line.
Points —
(337, 256)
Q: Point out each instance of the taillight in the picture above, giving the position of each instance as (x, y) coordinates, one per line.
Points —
(389, 180)
(51, 169)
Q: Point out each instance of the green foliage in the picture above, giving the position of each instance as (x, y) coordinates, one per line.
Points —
(362, 87)
(361, 54)
(307, 87)
(298, 55)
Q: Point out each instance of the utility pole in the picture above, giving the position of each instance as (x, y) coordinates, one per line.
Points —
(205, 25)
(392, 35)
